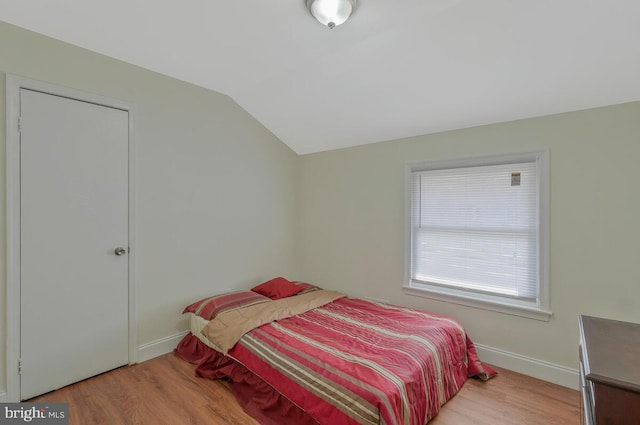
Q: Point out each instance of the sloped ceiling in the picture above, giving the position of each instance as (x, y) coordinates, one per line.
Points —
(395, 69)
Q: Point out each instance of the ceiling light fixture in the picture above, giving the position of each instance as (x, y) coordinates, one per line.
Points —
(331, 12)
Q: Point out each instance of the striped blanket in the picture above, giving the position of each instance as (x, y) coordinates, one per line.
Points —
(353, 361)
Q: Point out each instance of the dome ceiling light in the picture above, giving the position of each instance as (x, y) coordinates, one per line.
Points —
(331, 13)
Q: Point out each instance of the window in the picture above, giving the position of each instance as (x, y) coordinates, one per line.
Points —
(478, 232)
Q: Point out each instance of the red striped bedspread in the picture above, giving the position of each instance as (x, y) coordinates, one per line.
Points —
(357, 362)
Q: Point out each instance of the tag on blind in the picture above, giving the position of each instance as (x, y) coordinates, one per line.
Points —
(515, 179)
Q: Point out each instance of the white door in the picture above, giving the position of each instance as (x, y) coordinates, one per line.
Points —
(74, 215)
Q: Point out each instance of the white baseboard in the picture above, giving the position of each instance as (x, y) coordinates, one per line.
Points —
(540, 369)
(159, 347)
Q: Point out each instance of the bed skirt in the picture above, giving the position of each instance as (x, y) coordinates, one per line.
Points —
(256, 397)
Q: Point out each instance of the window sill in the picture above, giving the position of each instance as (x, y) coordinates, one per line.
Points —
(484, 304)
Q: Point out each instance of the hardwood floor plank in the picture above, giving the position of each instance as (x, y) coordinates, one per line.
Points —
(164, 390)
(511, 399)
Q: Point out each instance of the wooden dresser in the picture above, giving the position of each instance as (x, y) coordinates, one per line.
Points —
(609, 371)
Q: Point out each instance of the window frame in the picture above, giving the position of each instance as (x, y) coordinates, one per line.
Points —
(540, 309)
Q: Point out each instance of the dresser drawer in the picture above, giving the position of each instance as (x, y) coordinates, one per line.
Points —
(609, 372)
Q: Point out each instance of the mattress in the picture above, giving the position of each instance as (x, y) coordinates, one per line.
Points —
(350, 362)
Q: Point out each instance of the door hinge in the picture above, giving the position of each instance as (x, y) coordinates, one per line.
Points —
(20, 367)
(20, 124)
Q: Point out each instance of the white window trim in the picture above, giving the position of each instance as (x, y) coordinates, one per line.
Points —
(541, 310)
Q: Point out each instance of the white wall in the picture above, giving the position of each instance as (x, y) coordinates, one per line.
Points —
(215, 189)
(351, 217)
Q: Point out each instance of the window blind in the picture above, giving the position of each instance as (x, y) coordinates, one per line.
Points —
(476, 229)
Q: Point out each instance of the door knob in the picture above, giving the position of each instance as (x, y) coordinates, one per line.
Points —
(120, 251)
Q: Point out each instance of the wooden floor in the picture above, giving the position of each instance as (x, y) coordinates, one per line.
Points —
(165, 391)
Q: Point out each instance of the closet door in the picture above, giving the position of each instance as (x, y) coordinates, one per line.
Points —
(74, 241)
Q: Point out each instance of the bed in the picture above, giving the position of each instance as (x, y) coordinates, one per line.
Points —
(296, 354)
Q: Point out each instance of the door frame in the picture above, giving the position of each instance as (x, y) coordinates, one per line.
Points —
(14, 84)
